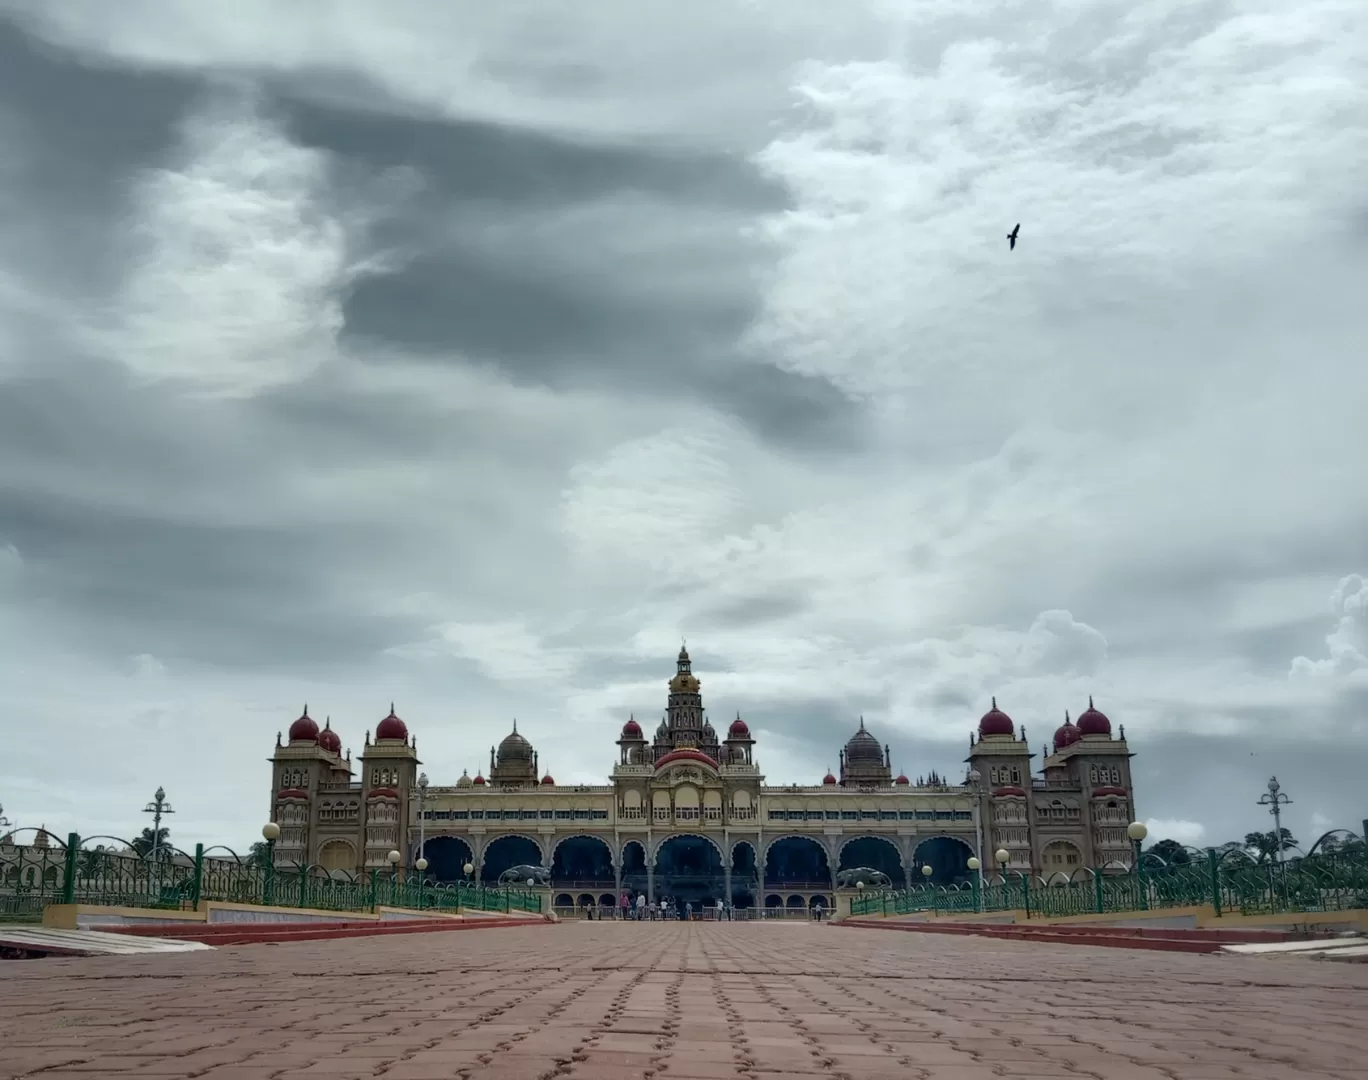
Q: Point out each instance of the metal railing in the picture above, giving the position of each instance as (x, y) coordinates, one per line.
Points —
(1230, 882)
(107, 871)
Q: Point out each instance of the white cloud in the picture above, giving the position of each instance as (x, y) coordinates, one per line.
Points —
(1185, 832)
(1348, 642)
(238, 260)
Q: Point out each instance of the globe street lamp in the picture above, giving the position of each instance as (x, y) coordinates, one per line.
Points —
(975, 779)
(422, 816)
(926, 871)
(270, 832)
(421, 864)
(976, 881)
(1137, 831)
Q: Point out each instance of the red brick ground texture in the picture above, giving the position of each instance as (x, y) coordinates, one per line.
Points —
(672, 1001)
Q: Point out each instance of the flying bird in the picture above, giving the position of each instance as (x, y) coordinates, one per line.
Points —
(1012, 237)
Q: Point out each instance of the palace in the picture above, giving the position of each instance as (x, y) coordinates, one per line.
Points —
(688, 815)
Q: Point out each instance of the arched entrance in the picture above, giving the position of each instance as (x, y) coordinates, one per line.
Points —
(745, 875)
(877, 853)
(634, 866)
(797, 862)
(582, 861)
(688, 869)
(337, 855)
(1062, 857)
(948, 857)
(447, 857)
(505, 852)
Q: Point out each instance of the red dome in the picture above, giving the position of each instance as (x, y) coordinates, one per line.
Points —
(1109, 790)
(1093, 722)
(292, 793)
(631, 729)
(1010, 789)
(479, 780)
(330, 740)
(902, 780)
(996, 722)
(548, 780)
(304, 729)
(738, 729)
(391, 727)
(382, 793)
(1066, 734)
(828, 779)
(687, 754)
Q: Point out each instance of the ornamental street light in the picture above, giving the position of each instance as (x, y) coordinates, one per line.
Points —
(1275, 800)
(270, 832)
(157, 808)
(1003, 856)
(1137, 831)
(976, 879)
(975, 779)
(422, 798)
(926, 871)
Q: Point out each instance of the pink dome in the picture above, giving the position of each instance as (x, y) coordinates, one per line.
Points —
(631, 729)
(330, 740)
(548, 780)
(828, 779)
(391, 727)
(1092, 722)
(738, 729)
(996, 722)
(304, 729)
(479, 780)
(1066, 734)
(902, 780)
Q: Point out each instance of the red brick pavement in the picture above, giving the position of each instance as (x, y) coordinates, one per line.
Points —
(609, 1001)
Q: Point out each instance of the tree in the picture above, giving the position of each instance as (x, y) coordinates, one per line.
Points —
(144, 844)
(260, 855)
(1172, 852)
(1266, 845)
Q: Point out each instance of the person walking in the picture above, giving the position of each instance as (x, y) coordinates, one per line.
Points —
(718, 909)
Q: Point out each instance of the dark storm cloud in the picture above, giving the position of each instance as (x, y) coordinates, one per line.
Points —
(85, 132)
(569, 263)
(256, 597)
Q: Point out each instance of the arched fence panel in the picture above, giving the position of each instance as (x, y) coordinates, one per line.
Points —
(1227, 882)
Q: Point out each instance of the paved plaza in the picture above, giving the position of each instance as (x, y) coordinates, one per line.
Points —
(610, 1001)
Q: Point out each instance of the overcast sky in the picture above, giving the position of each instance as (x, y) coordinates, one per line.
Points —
(471, 355)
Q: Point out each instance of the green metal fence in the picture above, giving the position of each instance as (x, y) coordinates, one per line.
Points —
(1229, 882)
(105, 870)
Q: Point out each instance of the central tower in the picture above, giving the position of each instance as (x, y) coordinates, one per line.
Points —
(685, 725)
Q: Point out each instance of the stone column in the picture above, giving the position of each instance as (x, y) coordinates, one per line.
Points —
(650, 883)
(617, 877)
(726, 877)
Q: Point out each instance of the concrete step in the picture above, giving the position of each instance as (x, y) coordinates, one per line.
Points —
(38, 941)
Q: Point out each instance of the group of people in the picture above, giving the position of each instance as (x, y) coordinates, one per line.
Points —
(639, 909)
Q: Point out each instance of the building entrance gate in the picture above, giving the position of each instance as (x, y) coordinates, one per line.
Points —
(688, 869)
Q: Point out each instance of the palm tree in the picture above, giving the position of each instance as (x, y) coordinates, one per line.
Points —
(160, 840)
(1267, 845)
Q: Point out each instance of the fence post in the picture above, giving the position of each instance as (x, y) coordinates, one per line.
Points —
(1099, 892)
(304, 885)
(1026, 894)
(197, 881)
(374, 890)
(69, 869)
(978, 900)
(1214, 872)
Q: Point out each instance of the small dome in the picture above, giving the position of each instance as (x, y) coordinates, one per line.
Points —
(995, 722)
(479, 780)
(304, 729)
(738, 729)
(548, 781)
(631, 729)
(330, 740)
(863, 748)
(465, 780)
(1092, 722)
(514, 747)
(902, 780)
(391, 727)
(828, 779)
(1066, 734)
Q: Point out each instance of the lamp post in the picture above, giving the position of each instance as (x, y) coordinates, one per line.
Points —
(270, 832)
(157, 808)
(394, 858)
(1275, 800)
(422, 798)
(975, 779)
(421, 864)
(976, 882)
(1137, 832)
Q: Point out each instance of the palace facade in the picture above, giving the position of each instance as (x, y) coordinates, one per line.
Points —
(687, 812)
